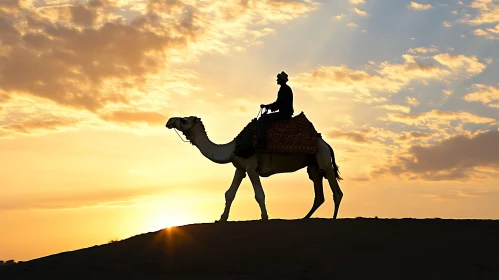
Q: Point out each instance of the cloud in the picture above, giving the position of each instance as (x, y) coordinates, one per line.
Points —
(436, 119)
(456, 158)
(387, 78)
(485, 94)
(488, 12)
(423, 50)
(418, 6)
(413, 102)
(342, 79)
(395, 107)
(470, 64)
(339, 17)
(357, 2)
(360, 12)
(414, 135)
(69, 66)
(127, 117)
(356, 137)
(29, 126)
(102, 56)
(489, 33)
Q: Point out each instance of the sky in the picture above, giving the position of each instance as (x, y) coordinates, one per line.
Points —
(406, 93)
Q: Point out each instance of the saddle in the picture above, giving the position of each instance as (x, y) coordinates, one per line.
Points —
(294, 136)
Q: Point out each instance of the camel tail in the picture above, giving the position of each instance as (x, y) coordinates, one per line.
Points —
(336, 168)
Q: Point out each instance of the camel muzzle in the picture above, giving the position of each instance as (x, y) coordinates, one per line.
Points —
(171, 123)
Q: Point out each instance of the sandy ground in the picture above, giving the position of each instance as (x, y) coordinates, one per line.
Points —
(287, 249)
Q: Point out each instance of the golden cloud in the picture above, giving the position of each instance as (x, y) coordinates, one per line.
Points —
(461, 62)
(90, 57)
(488, 12)
(395, 107)
(424, 50)
(387, 78)
(418, 6)
(360, 12)
(485, 94)
(357, 2)
(436, 119)
(413, 102)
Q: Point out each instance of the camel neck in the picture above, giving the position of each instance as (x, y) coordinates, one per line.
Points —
(214, 152)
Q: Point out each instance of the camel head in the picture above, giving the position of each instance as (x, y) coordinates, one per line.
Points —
(182, 124)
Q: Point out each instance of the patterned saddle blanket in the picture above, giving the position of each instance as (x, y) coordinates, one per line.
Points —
(294, 136)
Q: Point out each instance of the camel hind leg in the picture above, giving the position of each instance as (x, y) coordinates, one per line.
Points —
(259, 193)
(325, 161)
(315, 175)
(337, 193)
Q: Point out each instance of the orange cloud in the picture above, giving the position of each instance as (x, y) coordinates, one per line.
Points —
(127, 117)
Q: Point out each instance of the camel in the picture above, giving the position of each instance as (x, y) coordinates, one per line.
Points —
(319, 165)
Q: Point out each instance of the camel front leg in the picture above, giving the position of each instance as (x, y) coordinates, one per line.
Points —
(230, 194)
(259, 194)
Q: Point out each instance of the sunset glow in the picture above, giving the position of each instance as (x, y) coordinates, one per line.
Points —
(406, 92)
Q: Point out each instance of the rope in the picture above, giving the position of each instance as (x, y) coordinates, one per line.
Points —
(180, 136)
(259, 113)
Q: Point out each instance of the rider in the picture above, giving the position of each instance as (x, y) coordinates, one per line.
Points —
(284, 104)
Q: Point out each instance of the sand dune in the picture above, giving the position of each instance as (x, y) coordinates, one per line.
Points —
(286, 249)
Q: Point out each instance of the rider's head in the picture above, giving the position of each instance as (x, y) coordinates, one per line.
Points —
(282, 78)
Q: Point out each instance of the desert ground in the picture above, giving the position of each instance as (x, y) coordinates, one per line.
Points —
(361, 248)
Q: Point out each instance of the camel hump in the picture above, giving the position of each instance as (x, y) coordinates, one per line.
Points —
(293, 136)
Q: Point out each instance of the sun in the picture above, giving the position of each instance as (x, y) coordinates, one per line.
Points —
(167, 220)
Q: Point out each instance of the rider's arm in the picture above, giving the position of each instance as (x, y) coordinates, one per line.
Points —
(276, 104)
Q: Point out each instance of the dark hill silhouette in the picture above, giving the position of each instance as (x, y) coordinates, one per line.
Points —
(282, 249)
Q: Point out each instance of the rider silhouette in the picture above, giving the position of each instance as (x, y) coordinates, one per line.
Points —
(284, 104)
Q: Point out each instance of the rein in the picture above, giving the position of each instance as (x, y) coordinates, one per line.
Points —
(185, 133)
(180, 136)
